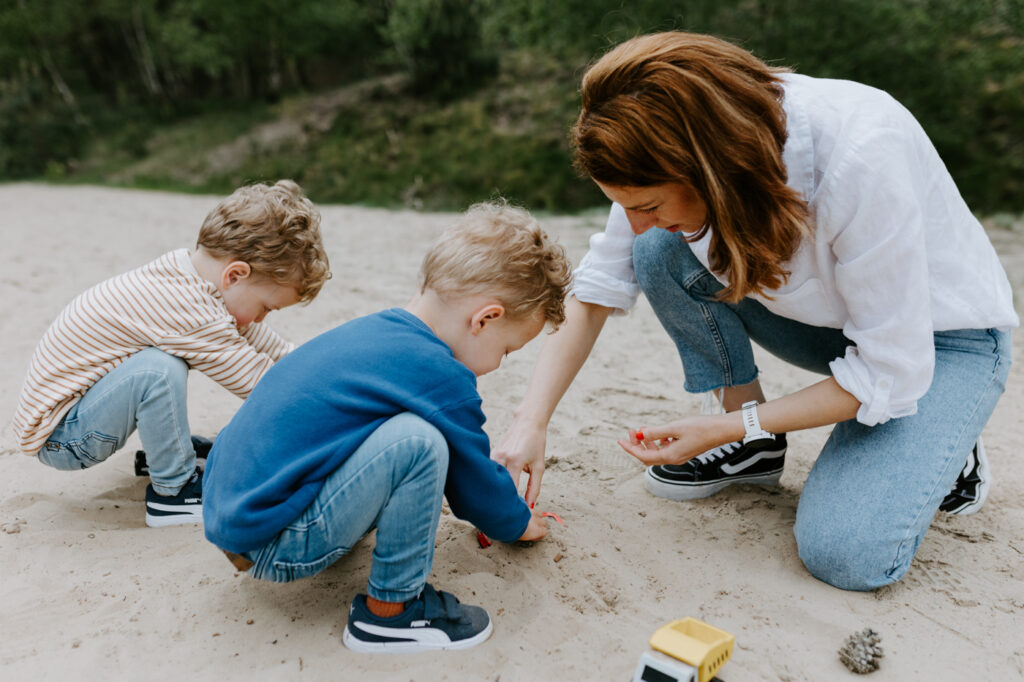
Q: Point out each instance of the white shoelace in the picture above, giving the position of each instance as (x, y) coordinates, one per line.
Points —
(717, 453)
(710, 404)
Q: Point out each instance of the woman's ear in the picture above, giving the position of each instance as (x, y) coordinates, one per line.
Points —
(492, 312)
(234, 272)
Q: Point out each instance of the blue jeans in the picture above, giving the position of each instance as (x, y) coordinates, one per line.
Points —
(147, 391)
(872, 493)
(394, 482)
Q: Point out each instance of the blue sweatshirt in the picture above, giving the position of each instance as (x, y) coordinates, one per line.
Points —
(318, 404)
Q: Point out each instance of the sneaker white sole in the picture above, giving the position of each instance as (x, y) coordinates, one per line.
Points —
(172, 515)
(973, 506)
(411, 647)
(695, 491)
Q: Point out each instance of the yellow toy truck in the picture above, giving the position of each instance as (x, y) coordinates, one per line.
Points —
(686, 650)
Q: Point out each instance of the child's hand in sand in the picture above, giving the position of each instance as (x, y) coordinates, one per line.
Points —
(536, 529)
(673, 443)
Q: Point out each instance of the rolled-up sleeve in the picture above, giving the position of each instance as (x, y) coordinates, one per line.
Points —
(881, 274)
(605, 276)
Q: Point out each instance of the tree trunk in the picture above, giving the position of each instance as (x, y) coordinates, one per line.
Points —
(144, 54)
(61, 85)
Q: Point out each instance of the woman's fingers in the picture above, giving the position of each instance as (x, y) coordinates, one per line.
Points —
(522, 451)
(536, 472)
(650, 452)
(650, 437)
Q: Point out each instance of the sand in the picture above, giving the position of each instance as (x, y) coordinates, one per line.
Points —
(89, 592)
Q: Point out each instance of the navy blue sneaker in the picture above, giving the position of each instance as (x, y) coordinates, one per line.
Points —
(434, 620)
(201, 445)
(972, 485)
(759, 462)
(185, 507)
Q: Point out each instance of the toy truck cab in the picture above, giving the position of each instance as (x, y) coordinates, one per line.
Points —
(686, 650)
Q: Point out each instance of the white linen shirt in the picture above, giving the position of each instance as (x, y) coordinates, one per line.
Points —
(895, 256)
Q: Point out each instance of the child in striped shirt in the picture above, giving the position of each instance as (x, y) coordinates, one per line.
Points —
(117, 357)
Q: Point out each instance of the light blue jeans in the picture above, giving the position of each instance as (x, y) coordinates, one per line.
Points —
(147, 391)
(872, 493)
(394, 482)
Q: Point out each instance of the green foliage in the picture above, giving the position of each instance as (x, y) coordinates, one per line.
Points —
(143, 91)
(374, 156)
(581, 29)
(32, 135)
(957, 66)
(65, 65)
(440, 44)
(421, 154)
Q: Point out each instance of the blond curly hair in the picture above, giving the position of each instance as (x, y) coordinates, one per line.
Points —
(498, 249)
(273, 228)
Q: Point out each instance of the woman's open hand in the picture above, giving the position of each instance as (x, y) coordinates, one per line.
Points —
(522, 450)
(676, 442)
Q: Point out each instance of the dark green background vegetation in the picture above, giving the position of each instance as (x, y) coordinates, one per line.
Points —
(438, 103)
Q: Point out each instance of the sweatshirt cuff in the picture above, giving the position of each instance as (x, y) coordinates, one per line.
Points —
(512, 530)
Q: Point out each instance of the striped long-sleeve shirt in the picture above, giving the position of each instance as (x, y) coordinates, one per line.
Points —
(164, 304)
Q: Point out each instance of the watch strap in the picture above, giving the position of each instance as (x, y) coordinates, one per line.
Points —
(752, 425)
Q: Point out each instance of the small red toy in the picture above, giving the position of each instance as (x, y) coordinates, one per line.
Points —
(554, 516)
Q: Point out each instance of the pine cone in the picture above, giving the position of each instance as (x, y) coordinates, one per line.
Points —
(861, 651)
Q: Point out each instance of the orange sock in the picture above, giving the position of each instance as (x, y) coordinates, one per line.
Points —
(384, 609)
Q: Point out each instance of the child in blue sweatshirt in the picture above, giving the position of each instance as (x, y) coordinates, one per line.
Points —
(370, 424)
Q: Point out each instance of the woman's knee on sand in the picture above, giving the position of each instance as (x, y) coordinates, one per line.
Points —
(840, 553)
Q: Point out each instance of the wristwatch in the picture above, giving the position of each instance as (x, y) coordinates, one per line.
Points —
(755, 434)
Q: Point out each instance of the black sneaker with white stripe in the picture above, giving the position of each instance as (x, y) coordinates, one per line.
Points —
(185, 507)
(434, 620)
(760, 462)
(972, 485)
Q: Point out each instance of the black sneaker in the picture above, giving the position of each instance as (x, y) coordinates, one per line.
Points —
(434, 620)
(759, 462)
(972, 485)
(185, 507)
(202, 447)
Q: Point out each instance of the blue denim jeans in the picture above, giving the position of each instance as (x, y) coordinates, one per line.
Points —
(147, 391)
(394, 482)
(872, 493)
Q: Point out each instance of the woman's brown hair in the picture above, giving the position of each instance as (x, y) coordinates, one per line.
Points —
(687, 108)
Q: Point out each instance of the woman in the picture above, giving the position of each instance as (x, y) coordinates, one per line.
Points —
(815, 218)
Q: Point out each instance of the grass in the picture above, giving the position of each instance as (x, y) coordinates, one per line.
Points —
(371, 143)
